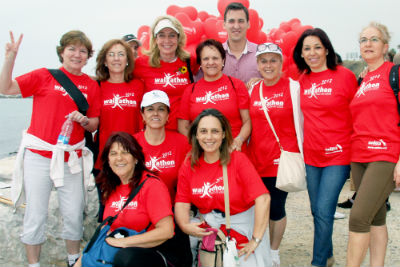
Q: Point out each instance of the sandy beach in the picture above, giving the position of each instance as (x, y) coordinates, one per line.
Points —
(295, 250)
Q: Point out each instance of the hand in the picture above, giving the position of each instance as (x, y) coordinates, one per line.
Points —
(252, 82)
(115, 242)
(12, 47)
(363, 73)
(247, 249)
(79, 118)
(237, 144)
(396, 174)
(193, 229)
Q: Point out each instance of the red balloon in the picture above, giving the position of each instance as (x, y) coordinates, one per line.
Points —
(260, 23)
(203, 15)
(253, 31)
(143, 34)
(223, 3)
(193, 29)
(214, 29)
(262, 37)
(285, 26)
(189, 10)
(294, 21)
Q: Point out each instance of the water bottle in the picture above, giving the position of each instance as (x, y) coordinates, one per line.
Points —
(65, 134)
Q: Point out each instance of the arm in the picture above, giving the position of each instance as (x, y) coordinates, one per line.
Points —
(244, 131)
(261, 220)
(8, 86)
(182, 217)
(252, 82)
(89, 124)
(183, 127)
(396, 174)
(164, 230)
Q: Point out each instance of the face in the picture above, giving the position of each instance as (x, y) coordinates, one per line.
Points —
(372, 48)
(209, 134)
(211, 62)
(167, 41)
(121, 162)
(314, 53)
(75, 57)
(135, 48)
(236, 25)
(116, 59)
(270, 67)
(156, 115)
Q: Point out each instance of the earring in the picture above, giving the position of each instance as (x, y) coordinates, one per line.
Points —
(105, 64)
(127, 64)
(301, 56)
(327, 52)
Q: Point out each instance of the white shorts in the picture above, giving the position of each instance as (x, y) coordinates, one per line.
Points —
(38, 186)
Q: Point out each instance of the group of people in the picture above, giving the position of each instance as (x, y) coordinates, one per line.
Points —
(171, 122)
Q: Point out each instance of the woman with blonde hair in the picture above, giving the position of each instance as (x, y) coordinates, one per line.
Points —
(166, 65)
(375, 150)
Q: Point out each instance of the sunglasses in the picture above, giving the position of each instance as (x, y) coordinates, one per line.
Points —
(269, 47)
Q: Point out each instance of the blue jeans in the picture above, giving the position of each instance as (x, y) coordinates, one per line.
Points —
(324, 185)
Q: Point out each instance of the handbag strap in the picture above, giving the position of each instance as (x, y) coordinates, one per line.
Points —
(110, 219)
(267, 116)
(71, 89)
(226, 199)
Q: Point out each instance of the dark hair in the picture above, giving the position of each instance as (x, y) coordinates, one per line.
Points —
(236, 6)
(74, 37)
(102, 71)
(197, 151)
(107, 179)
(323, 37)
(209, 43)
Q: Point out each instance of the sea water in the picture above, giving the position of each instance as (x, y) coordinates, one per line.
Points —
(15, 114)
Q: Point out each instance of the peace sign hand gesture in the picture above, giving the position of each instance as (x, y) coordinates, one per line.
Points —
(12, 47)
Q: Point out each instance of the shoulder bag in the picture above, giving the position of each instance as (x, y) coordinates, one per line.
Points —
(97, 252)
(217, 249)
(291, 175)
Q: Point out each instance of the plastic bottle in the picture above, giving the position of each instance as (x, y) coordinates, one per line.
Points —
(65, 134)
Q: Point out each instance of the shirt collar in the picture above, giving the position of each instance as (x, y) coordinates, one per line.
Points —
(245, 51)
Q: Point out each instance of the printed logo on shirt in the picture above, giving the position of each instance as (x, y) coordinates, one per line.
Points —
(209, 189)
(213, 97)
(65, 93)
(161, 162)
(366, 87)
(120, 101)
(170, 80)
(117, 205)
(334, 149)
(377, 144)
(270, 102)
(319, 89)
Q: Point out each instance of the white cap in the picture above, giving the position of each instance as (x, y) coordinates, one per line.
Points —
(164, 23)
(268, 48)
(155, 96)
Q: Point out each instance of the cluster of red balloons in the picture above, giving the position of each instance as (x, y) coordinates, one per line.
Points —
(199, 26)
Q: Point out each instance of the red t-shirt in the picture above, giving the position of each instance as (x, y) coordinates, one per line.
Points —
(165, 158)
(203, 185)
(51, 104)
(376, 134)
(325, 98)
(171, 77)
(120, 110)
(218, 94)
(263, 148)
(150, 205)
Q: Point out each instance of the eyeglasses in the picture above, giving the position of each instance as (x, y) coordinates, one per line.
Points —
(119, 54)
(373, 39)
(271, 47)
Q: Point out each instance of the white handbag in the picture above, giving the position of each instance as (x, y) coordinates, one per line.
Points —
(291, 175)
(230, 256)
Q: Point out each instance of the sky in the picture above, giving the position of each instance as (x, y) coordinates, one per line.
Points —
(44, 21)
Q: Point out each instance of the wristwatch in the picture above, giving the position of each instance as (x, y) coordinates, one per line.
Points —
(257, 240)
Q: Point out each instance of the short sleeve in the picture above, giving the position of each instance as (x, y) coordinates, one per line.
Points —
(183, 190)
(28, 82)
(184, 108)
(242, 94)
(158, 202)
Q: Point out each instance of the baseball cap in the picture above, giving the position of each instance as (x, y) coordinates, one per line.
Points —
(131, 38)
(164, 23)
(268, 48)
(155, 96)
